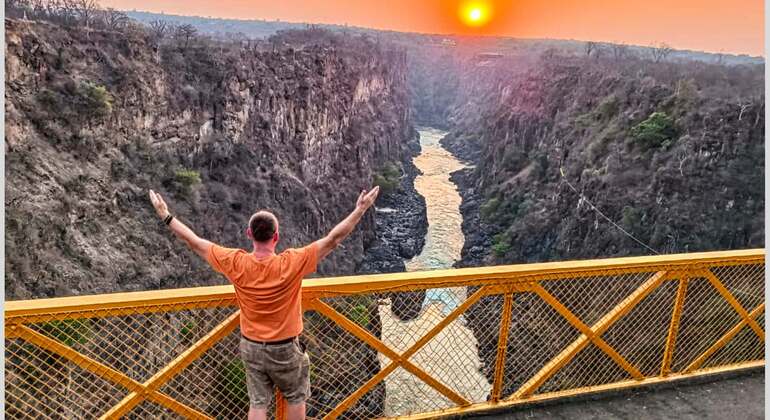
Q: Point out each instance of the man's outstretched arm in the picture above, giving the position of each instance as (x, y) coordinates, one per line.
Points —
(195, 242)
(343, 229)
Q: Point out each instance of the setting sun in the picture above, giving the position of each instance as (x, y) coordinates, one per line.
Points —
(475, 13)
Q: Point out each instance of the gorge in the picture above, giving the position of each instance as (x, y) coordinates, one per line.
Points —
(477, 145)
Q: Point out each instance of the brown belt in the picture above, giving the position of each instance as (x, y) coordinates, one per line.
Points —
(270, 343)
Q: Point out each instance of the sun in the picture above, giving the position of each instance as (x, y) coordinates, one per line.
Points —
(475, 13)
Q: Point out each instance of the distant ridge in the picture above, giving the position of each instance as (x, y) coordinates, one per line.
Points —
(257, 28)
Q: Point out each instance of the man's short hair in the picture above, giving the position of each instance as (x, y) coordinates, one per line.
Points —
(263, 225)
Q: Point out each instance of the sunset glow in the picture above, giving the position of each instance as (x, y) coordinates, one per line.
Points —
(475, 13)
(705, 25)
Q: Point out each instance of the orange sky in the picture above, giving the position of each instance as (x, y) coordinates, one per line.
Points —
(735, 26)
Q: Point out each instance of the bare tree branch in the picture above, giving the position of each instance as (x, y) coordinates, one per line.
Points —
(114, 19)
(660, 52)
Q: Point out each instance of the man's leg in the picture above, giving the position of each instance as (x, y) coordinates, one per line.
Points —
(289, 368)
(258, 413)
(258, 383)
(295, 411)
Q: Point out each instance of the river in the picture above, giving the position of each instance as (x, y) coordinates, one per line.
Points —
(451, 356)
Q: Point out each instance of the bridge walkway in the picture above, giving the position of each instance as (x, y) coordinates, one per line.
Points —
(737, 397)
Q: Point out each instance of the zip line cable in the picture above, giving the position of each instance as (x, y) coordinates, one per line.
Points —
(583, 197)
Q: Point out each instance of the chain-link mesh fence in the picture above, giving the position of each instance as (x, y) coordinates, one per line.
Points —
(392, 348)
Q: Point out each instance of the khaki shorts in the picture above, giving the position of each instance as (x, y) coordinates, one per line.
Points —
(283, 365)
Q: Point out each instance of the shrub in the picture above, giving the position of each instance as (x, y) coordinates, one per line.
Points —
(188, 177)
(501, 244)
(187, 331)
(488, 209)
(185, 179)
(76, 103)
(631, 218)
(654, 131)
(233, 384)
(360, 315)
(387, 178)
(69, 331)
(94, 100)
(608, 107)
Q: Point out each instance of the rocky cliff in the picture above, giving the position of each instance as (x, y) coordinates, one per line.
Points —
(573, 151)
(94, 119)
(671, 152)
(298, 124)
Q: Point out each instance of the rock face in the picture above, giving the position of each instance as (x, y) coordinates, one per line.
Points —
(401, 222)
(295, 125)
(671, 152)
(401, 226)
(93, 120)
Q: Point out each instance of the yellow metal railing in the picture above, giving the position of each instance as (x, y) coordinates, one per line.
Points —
(420, 345)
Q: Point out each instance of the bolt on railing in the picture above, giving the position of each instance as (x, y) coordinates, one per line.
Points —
(420, 344)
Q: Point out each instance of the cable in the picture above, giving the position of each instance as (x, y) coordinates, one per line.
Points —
(564, 177)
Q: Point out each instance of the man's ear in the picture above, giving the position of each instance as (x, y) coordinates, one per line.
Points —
(249, 234)
(276, 237)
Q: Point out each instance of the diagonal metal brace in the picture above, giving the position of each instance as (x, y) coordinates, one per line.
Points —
(569, 352)
(396, 359)
(105, 372)
(177, 365)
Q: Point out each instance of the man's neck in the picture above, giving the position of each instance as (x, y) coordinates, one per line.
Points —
(262, 251)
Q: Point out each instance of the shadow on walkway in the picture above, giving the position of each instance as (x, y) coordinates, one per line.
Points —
(738, 397)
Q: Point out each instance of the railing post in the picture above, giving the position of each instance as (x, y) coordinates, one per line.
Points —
(280, 405)
(502, 346)
(673, 328)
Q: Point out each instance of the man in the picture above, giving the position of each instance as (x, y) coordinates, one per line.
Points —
(267, 288)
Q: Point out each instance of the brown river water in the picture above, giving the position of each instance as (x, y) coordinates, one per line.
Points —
(451, 356)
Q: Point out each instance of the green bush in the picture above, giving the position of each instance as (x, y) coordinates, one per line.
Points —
(187, 331)
(188, 177)
(233, 384)
(501, 244)
(387, 178)
(488, 209)
(76, 103)
(360, 315)
(654, 131)
(390, 170)
(69, 331)
(94, 100)
(631, 218)
(608, 107)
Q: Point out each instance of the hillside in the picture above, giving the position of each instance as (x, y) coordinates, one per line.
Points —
(94, 119)
(671, 152)
(578, 157)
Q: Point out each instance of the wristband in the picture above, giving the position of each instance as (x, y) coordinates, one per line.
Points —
(168, 219)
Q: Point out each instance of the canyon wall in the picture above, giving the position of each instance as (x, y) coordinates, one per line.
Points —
(96, 118)
(670, 152)
(299, 124)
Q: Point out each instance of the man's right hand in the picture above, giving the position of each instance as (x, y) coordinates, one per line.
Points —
(343, 229)
(366, 199)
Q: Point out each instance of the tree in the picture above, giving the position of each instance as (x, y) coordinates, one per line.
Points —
(590, 47)
(660, 52)
(158, 30)
(114, 19)
(66, 10)
(619, 51)
(655, 131)
(86, 11)
(719, 57)
(185, 33)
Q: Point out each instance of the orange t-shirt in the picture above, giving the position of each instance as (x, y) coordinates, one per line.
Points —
(268, 289)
